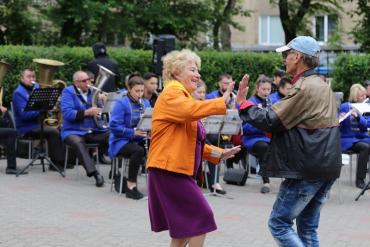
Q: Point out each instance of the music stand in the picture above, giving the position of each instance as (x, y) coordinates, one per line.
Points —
(228, 124)
(42, 99)
(145, 124)
(367, 186)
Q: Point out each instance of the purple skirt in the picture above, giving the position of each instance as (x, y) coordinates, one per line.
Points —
(177, 204)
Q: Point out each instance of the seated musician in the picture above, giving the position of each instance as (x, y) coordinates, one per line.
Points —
(254, 140)
(8, 138)
(125, 140)
(27, 122)
(224, 81)
(150, 87)
(79, 127)
(354, 135)
(283, 89)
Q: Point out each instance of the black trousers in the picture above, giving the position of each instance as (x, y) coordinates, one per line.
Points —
(238, 156)
(55, 145)
(78, 143)
(214, 170)
(259, 150)
(362, 149)
(135, 153)
(8, 139)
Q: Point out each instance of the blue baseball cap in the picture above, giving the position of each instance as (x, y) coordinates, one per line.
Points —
(304, 44)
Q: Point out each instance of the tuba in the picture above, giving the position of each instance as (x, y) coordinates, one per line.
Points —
(100, 120)
(47, 69)
(4, 67)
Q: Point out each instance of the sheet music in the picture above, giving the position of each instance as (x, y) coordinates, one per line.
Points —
(363, 108)
(228, 124)
(232, 123)
(213, 124)
(145, 123)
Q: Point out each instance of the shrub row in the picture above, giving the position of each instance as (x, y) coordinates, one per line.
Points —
(348, 69)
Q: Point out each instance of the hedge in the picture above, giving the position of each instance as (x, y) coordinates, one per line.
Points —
(75, 58)
(349, 69)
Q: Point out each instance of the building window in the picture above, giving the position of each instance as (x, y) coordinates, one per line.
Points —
(323, 26)
(270, 31)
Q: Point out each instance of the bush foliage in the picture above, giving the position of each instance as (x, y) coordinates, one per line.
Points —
(213, 63)
(348, 68)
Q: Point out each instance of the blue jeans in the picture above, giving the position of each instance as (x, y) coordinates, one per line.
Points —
(300, 200)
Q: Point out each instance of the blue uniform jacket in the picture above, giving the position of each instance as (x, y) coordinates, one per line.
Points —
(71, 103)
(352, 129)
(124, 118)
(24, 120)
(232, 104)
(275, 97)
(251, 134)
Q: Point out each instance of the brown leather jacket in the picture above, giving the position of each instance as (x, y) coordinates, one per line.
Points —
(305, 140)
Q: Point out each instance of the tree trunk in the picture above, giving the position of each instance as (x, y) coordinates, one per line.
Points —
(225, 27)
(290, 21)
(225, 36)
(215, 32)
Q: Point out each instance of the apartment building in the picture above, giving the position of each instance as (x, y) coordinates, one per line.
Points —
(264, 32)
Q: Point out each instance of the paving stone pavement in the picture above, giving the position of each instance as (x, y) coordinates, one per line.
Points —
(46, 210)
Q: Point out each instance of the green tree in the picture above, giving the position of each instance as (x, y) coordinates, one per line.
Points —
(86, 21)
(293, 13)
(78, 21)
(221, 18)
(16, 23)
(183, 18)
(361, 32)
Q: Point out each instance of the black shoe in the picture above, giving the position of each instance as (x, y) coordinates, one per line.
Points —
(14, 171)
(360, 183)
(134, 193)
(99, 180)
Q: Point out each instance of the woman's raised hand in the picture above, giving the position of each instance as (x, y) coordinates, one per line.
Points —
(228, 92)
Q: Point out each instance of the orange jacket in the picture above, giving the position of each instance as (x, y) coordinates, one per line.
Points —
(174, 129)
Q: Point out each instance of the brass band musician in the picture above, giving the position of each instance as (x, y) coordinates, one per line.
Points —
(78, 126)
(27, 122)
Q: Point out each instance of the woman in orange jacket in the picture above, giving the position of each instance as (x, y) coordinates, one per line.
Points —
(175, 201)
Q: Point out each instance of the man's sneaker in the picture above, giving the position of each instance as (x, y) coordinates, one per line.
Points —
(134, 193)
(265, 189)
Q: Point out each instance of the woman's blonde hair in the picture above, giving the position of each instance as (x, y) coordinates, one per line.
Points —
(354, 90)
(176, 61)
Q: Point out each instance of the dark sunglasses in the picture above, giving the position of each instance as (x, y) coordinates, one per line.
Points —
(286, 53)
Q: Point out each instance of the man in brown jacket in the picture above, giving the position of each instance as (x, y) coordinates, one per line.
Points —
(305, 144)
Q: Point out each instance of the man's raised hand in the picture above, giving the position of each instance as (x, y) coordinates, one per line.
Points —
(243, 89)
